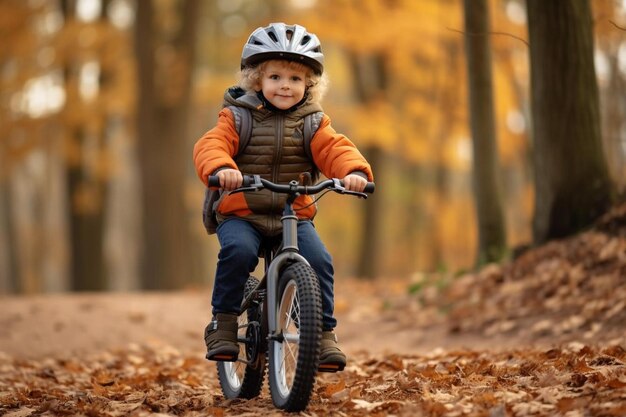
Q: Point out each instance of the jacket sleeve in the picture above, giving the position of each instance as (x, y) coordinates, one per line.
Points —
(216, 148)
(335, 155)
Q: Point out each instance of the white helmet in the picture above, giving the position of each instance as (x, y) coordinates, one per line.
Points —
(281, 41)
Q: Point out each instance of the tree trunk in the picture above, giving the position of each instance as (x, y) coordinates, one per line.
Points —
(447, 94)
(87, 196)
(369, 80)
(368, 262)
(572, 183)
(86, 228)
(86, 237)
(491, 228)
(161, 132)
(614, 112)
(9, 282)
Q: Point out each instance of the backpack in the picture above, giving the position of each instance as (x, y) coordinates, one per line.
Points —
(243, 124)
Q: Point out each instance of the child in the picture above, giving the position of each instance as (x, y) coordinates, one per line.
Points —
(281, 81)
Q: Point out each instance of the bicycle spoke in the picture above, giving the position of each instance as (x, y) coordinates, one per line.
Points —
(292, 315)
(234, 373)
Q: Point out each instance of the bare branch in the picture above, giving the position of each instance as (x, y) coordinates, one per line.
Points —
(617, 26)
(489, 33)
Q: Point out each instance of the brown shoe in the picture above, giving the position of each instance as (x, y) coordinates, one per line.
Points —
(220, 337)
(332, 359)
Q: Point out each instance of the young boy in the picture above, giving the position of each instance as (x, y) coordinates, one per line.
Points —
(281, 82)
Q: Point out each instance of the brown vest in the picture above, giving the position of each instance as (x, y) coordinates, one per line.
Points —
(276, 153)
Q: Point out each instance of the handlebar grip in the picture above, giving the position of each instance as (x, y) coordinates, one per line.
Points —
(369, 188)
(247, 180)
(213, 181)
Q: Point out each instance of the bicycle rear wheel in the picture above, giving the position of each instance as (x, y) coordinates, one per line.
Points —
(245, 379)
(294, 350)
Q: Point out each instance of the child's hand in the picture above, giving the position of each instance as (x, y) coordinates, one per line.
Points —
(230, 179)
(354, 182)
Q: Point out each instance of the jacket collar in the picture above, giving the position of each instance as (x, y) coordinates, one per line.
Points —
(237, 96)
(271, 107)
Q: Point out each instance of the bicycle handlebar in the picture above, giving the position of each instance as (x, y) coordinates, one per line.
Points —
(255, 182)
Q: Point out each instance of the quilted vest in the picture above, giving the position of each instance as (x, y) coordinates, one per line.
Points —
(275, 152)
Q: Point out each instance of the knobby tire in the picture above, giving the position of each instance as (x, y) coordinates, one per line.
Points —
(294, 354)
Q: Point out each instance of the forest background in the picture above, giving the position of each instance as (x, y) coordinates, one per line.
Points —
(101, 102)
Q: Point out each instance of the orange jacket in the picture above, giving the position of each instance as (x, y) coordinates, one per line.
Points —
(333, 153)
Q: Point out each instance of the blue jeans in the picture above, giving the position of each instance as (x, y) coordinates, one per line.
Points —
(238, 257)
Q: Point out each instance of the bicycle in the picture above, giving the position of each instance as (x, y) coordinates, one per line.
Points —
(280, 319)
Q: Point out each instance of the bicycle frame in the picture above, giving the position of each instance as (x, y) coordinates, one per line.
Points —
(288, 253)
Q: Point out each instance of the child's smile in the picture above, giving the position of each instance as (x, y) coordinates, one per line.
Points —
(282, 85)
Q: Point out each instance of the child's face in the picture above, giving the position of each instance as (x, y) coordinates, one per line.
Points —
(282, 84)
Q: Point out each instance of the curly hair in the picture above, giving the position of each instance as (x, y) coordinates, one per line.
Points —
(316, 85)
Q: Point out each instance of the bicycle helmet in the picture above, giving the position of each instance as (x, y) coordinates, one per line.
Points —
(281, 41)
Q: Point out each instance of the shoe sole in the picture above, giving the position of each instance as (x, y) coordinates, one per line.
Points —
(331, 367)
(221, 357)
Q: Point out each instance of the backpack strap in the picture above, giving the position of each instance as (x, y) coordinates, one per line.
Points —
(243, 124)
(312, 122)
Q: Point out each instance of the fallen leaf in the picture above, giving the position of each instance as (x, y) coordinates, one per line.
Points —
(366, 405)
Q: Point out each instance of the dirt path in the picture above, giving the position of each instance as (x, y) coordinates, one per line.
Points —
(70, 325)
(374, 317)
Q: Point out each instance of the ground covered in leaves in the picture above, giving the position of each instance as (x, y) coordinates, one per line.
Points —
(575, 380)
(543, 335)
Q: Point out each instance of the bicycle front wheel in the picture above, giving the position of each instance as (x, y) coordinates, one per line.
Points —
(294, 349)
